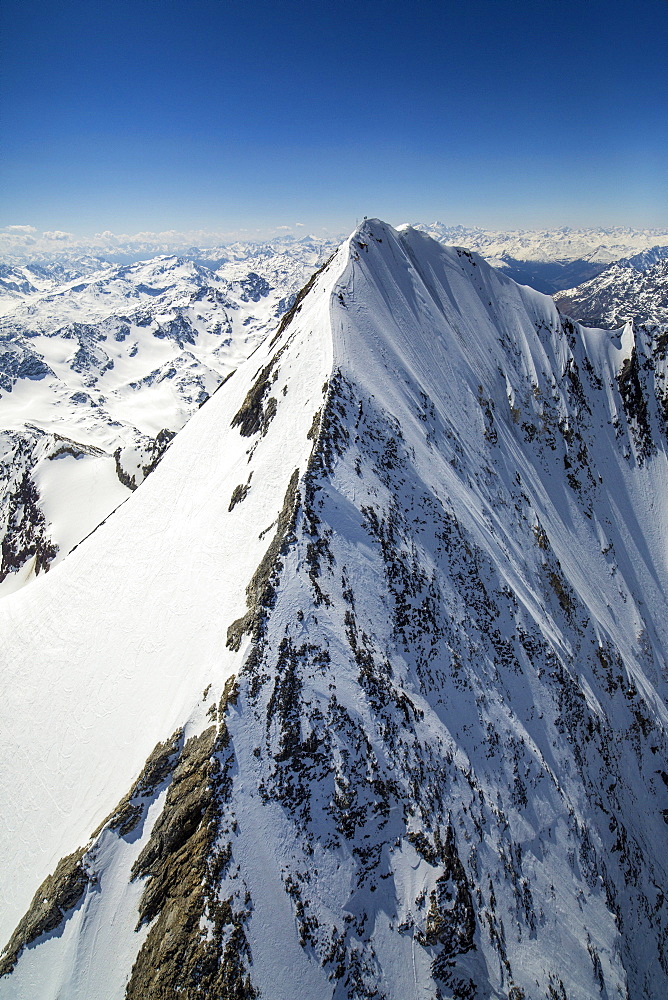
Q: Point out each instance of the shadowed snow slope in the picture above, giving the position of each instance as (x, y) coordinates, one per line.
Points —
(388, 627)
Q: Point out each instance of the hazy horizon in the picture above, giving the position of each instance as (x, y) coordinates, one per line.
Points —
(24, 241)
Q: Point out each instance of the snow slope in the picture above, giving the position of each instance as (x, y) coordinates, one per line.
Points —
(442, 768)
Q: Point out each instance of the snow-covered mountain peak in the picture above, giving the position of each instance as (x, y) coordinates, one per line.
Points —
(388, 626)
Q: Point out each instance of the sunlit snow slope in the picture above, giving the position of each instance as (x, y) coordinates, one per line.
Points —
(441, 769)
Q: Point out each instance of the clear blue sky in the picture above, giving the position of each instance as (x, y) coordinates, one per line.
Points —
(220, 114)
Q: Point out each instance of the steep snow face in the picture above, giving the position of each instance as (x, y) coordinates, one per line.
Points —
(635, 289)
(107, 364)
(442, 768)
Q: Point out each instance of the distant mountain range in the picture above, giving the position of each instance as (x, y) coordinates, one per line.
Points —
(550, 260)
(102, 363)
(21, 247)
(602, 245)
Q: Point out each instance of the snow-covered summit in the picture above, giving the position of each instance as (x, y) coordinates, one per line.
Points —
(388, 625)
(634, 290)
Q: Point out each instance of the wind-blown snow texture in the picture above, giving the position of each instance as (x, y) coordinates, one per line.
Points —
(424, 530)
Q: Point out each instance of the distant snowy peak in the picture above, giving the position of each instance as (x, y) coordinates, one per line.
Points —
(646, 258)
(635, 289)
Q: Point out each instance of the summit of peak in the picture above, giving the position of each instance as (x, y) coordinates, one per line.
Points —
(371, 227)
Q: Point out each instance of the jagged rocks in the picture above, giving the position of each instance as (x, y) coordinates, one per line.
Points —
(239, 493)
(157, 770)
(254, 416)
(196, 945)
(52, 903)
(635, 405)
(451, 918)
(21, 363)
(260, 589)
(25, 536)
(136, 462)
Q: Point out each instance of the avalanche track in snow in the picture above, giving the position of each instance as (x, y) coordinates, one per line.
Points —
(364, 689)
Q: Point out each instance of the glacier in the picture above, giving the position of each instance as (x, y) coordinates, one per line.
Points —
(362, 693)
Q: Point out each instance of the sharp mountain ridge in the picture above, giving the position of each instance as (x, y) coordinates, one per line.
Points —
(364, 688)
(114, 359)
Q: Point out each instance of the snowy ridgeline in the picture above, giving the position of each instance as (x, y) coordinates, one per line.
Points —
(363, 692)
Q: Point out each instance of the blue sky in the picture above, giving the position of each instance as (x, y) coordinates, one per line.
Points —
(226, 115)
